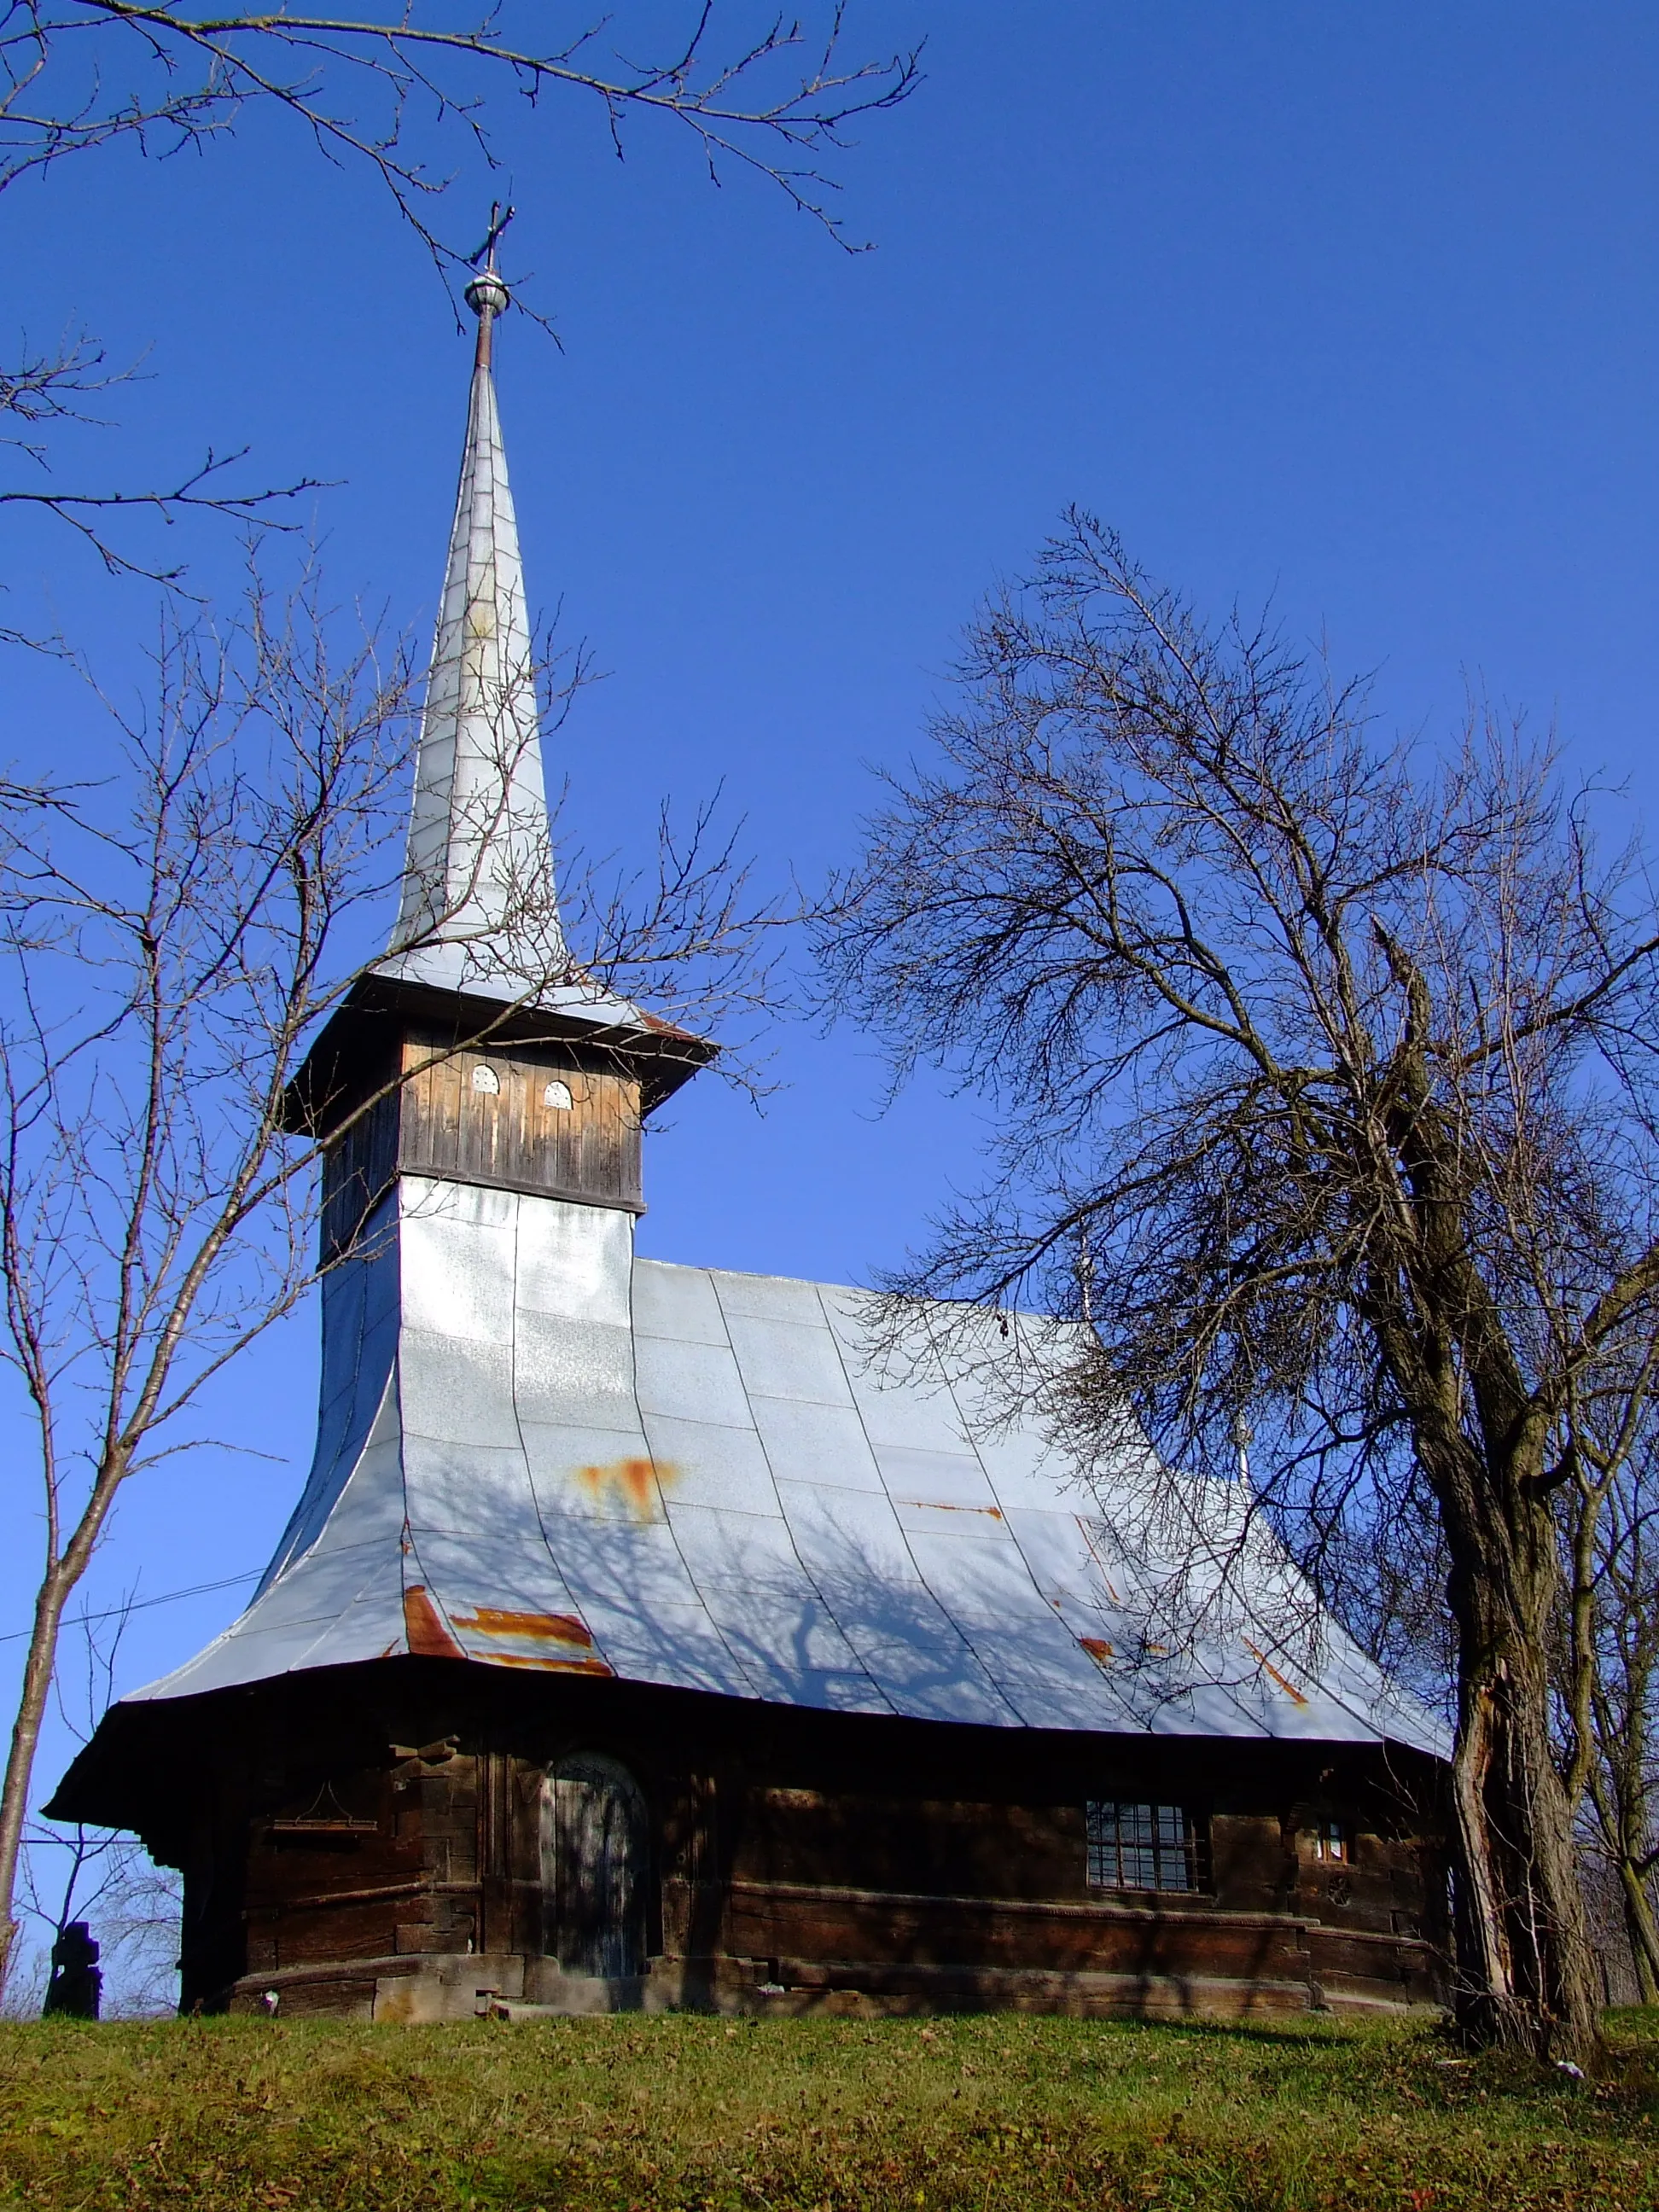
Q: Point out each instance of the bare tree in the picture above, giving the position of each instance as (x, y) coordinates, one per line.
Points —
(169, 944)
(1341, 1053)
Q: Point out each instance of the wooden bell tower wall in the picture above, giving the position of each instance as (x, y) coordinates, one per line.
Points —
(544, 1119)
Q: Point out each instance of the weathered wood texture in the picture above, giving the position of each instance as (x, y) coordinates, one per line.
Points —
(361, 1163)
(552, 1124)
(786, 1859)
(522, 1135)
(397, 1874)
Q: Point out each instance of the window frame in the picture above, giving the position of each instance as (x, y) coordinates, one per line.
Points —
(1148, 1846)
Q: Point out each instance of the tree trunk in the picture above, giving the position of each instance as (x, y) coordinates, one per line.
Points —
(1643, 1931)
(25, 1741)
(1526, 1970)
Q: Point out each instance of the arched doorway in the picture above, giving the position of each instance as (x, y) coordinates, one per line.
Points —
(595, 1856)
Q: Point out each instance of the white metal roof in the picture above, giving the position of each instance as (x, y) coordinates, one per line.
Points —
(538, 1453)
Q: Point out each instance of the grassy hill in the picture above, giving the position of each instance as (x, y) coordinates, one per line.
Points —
(977, 2113)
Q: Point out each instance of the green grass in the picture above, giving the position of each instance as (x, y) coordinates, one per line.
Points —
(978, 2113)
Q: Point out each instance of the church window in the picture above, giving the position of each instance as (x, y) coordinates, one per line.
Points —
(1330, 1842)
(557, 1095)
(1140, 1846)
(486, 1079)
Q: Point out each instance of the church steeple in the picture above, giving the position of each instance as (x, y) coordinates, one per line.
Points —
(479, 910)
(477, 962)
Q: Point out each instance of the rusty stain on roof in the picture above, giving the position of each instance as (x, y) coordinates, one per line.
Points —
(1269, 1668)
(538, 1627)
(637, 1482)
(667, 1029)
(939, 1505)
(566, 1644)
(424, 1628)
(1098, 1649)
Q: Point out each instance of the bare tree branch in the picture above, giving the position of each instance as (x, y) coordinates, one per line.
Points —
(387, 94)
(44, 393)
(778, 104)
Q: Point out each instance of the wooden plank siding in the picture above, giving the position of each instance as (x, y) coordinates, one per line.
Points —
(435, 1119)
(358, 1170)
(514, 1137)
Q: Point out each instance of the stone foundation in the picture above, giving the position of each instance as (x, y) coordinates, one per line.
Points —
(417, 1991)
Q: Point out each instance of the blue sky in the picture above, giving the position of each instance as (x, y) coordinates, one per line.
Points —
(1354, 309)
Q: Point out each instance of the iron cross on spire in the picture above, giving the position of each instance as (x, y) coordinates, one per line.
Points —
(499, 219)
(487, 295)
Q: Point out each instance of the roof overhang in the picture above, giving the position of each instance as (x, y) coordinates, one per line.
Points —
(357, 1046)
(142, 1768)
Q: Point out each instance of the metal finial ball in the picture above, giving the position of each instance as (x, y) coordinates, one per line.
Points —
(1243, 1436)
(487, 292)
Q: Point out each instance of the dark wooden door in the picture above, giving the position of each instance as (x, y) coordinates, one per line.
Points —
(595, 1853)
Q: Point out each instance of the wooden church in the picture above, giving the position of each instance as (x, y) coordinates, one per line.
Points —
(641, 1640)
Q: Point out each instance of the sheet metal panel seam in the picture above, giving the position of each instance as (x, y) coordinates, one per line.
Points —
(289, 1554)
(246, 1624)
(296, 1665)
(811, 1580)
(965, 1633)
(742, 1672)
(972, 1442)
(1372, 1718)
(1253, 1724)
(1316, 1680)
(571, 1607)
(949, 1618)
(1124, 1713)
(406, 1550)
(284, 1556)
(1125, 1710)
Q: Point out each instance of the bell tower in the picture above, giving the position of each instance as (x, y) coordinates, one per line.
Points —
(479, 1097)
(477, 1051)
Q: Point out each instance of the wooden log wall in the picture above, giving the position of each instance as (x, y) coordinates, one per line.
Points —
(903, 1893)
(359, 1166)
(345, 1872)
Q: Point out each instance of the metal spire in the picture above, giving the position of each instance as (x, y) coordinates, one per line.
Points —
(478, 910)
